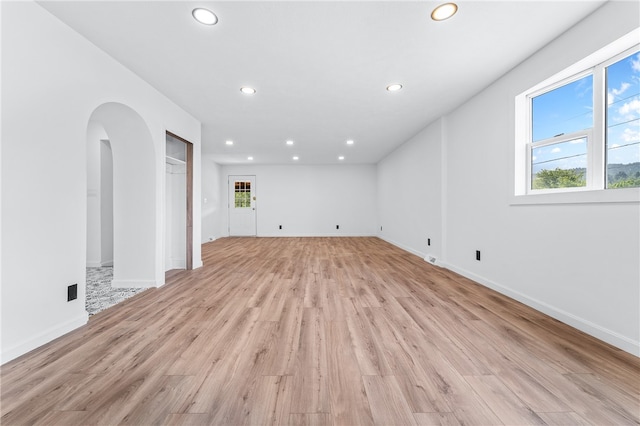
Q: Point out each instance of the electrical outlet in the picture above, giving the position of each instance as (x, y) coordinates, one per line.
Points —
(279, 226)
(337, 226)
(381, 228)
(72, 292)
(428, 241)
(478, 255)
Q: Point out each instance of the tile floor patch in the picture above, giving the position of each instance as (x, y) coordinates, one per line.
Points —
(100, 295)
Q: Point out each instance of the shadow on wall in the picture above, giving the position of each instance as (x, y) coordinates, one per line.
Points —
(134, 196)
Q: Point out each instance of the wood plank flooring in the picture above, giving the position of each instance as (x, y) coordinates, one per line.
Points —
(321, 331)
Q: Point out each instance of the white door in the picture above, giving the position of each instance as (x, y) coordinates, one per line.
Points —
(242, 206)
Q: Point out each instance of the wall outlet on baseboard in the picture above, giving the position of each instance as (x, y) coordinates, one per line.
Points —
(431, 259)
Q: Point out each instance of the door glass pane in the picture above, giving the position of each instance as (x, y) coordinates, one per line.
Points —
(564, 110)
(623, 123)
(560, 165)
(242, 194)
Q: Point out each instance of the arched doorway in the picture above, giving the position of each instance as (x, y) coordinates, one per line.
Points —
(127, 143)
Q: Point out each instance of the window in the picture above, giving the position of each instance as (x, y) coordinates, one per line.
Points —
(580, 130)
(562, 127)
(623, 122)
(242, 193)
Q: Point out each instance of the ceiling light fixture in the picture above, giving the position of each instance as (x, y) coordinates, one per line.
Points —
(394, 87)
(350, 142)
(229, 142)
(249, 158)
(204, 16)
(289, 142)
(444, 11)
(341, 158)
(296, 158)
(248, 90)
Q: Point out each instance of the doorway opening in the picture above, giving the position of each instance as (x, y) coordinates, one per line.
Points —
(122, 216)
(178, 203)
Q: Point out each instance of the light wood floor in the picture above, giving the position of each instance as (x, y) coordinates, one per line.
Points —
(321, 331)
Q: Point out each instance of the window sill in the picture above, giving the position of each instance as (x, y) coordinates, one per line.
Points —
(612, 196)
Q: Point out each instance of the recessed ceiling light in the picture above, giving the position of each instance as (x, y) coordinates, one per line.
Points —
(289, 142)
(248, 90)
(229, 142)
(341, 158)
(350, 142)
(249, 158)
(204, 16)
(296, 157)
(394, 87)
(444, 11)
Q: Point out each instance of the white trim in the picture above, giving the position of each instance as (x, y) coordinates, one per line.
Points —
(176, 264)
(93, 264)
(622, 342)
(618, 195)
(278, 235)
(133, 283)
(403, 247)
(43, 338)
(625, 343)
(596, 168)
(197, 264)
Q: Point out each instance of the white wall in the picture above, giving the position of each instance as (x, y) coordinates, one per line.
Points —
(95, 133)
(409, 182)
(176, 217)
(310, 200)
(106, 204)
(52, 81)
(579, 263)
(99, 197)
(214, 210)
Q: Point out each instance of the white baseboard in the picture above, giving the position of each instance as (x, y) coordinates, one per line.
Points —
(197, 264)
(42, 338)
(275, 235)
(595, 330)
(402, 246)
(622, 342)
(97, 264)
(177, 264)
(133, 283)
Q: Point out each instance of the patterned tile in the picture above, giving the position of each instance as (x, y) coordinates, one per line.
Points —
(100, 295)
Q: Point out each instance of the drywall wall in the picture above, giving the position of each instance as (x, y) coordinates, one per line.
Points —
(311, 200)
(106, 203)
(53, 80)
(409, 194)
(95, 133)
(578, 262)
(213, 210)
(175, 217)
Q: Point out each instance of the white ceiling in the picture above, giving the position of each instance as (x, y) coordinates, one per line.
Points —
(320, 68)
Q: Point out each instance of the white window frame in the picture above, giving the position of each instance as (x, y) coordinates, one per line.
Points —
(588, 134)
(595, 190)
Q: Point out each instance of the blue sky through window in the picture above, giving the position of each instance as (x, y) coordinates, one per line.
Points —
(564, 110)
(623, 111)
